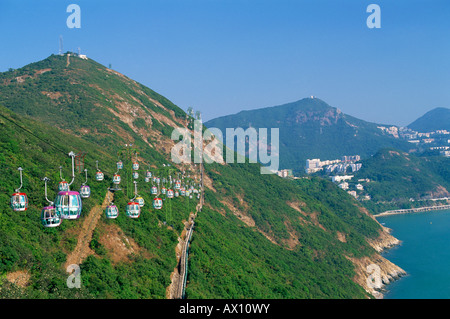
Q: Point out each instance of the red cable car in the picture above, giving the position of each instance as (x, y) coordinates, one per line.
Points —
(133, 209)
(157, 203)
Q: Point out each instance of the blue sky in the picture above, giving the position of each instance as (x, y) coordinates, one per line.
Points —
(223, 56)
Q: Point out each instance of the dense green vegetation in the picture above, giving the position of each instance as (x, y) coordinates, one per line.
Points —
(232, 260)
(26, 245)
(293, 249)
(310, 128)
(400, 180)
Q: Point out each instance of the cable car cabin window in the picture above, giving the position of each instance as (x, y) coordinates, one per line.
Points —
(19, 202)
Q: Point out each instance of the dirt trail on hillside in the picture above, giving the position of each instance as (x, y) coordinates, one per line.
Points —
(82, 250)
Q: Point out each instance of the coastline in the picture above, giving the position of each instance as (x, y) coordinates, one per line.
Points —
(388, 271)
(412, 210)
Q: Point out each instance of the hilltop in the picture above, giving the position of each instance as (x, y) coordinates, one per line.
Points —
(258, 236)
(310, 128)
(436, 119)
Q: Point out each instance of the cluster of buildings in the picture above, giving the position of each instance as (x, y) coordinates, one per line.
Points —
(436, 141)
(285, 173)
(334, 166)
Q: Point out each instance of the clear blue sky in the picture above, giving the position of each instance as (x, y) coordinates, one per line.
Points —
(223, 56)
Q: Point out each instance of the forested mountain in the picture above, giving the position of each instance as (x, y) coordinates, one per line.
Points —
(257, 236)
(310, 128)
(436, 119)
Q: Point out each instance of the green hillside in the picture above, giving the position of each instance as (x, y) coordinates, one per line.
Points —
(231, 256)
(310, 128)
(257, 236)
(27, 246)
(397, 178)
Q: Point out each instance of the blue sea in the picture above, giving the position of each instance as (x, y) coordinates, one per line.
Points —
(424, 254)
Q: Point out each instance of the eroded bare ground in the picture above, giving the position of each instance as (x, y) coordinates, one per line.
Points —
(82, 249)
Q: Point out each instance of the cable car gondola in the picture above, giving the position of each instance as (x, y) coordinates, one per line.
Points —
(68, 204)
(154, 190)
(140, 200)
(49, 216)
(85, 190)
(116, 179)
(63, 186)
(111, 211)
(157, 203)
(133, 209)
(19, 200)
(170, 193)
(99, 176)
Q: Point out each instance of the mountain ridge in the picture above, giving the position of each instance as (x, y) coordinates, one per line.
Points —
(310, 128)
(433, 120)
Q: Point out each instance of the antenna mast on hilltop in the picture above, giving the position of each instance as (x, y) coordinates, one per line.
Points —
(60, 45)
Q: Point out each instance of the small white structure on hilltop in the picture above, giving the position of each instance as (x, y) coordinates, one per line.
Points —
(82, 56)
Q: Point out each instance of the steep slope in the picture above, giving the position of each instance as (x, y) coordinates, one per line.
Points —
(91, 101)
(257, 235)
(436, 119)
(310, 128)
(267, 237)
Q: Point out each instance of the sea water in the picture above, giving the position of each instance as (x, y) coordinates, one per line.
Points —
(424, 254)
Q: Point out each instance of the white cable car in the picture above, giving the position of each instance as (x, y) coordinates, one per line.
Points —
(49, 217)
(63, 186)
(19, 200)
(170, 193)
(157, 203)
(154, 190)
(68, 204)
(148, 174)
(133, 209)
(99, 176)
(85, 190)
(140, 200)
(111, 211)
(177, 185)
(135, 175)
(116, 179)
(177, 194)
(163, 190)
